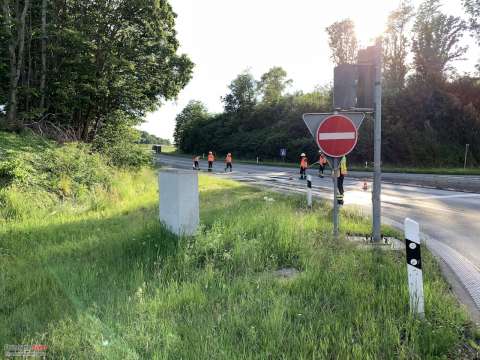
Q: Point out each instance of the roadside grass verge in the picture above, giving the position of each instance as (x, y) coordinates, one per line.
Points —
(112, 283)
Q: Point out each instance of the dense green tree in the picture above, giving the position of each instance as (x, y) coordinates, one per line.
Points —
(86, 60)
(243, 93)
(343, 42)
(272, 84)
(194, 114)
(435, 42)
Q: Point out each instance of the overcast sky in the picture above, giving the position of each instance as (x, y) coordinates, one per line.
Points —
(225, 37)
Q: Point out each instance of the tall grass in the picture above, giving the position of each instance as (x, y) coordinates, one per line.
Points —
(111, 283)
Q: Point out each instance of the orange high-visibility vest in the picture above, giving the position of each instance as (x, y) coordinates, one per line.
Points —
(304, 163)
(228, 159)
(322, 160)
(211, 157)
(343, 166)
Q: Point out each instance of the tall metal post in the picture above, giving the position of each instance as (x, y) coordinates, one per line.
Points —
(335, 202)
(377, 172)
(466, 153)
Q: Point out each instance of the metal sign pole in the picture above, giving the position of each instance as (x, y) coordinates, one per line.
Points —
(335, 202)
(466, 153)
(377, 175)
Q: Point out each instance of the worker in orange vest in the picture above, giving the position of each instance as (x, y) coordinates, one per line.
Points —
(228, 162)
(196, 160)
(210, 159)
(322, 162)
(303, 166)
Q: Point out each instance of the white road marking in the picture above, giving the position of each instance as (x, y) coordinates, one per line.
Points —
(336, 136)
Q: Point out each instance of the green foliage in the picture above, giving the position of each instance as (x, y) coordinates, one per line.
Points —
(193, 116)
(343, 42)
(146, 138)
(243, 94)
(103, 58)
(116, 284)
(272, 85)
(435, 41)
(118, 142)
(34, 174)
(395, 47)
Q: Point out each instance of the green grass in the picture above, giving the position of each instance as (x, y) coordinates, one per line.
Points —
(109, 282)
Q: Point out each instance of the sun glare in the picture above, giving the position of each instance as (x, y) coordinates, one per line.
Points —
(370, 22)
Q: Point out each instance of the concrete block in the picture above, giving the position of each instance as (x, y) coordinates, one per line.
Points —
(179, 202)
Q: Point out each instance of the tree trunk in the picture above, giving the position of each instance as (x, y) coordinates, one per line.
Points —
(44, 55)
(16, 60)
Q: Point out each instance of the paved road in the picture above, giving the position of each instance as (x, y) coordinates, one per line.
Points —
(450, 220)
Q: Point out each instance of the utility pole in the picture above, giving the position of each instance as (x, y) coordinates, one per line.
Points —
(466, 153)
(377, 147)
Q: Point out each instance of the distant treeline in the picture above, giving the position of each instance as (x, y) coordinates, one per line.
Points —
(146, 138)
(429, 112)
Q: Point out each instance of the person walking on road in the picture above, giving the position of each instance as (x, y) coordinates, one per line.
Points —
(341, 176)
(210, 159)
(228, 162)
(196, 160)
(322, 162)
(303, 166)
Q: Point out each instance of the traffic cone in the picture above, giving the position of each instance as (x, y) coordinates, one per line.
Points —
(365, 186)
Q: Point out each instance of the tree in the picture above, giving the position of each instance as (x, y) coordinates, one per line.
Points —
(87, 60)
(243, 94)
(15, 30)
(343, 42)
(435, 42)
(272, 84)
(395, 46)
(192, 114)
(472, 8)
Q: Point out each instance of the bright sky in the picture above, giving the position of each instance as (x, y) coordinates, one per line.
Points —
(225, 37)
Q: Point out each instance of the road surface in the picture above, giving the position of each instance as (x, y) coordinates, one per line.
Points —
(449, 220)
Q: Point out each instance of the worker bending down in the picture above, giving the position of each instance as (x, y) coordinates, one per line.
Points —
(303, 166)
(210, 159)
(228, 162)
(341, 175)
(196, 165)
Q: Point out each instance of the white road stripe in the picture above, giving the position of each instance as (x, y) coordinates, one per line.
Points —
(336, 136)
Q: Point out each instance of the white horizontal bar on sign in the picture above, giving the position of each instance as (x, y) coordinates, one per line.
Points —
(337, 136)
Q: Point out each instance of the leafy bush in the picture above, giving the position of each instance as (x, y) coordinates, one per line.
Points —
(117, 142)
(64, 170)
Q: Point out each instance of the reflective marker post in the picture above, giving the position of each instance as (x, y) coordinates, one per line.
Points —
(414, 267)
(309, 191)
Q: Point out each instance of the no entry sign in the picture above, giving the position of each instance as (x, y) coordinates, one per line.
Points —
(336, 135)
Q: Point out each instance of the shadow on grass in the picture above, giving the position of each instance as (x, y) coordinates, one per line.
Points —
(57, 271)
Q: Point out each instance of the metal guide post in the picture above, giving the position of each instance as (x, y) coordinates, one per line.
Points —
(335, 202)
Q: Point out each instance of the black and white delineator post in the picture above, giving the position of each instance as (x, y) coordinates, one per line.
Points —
(414, 267)
(309, 191)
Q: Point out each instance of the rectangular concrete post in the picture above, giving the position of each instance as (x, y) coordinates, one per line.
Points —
(179, 201)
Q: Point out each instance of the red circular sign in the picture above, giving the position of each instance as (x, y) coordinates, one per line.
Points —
(336, 135)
